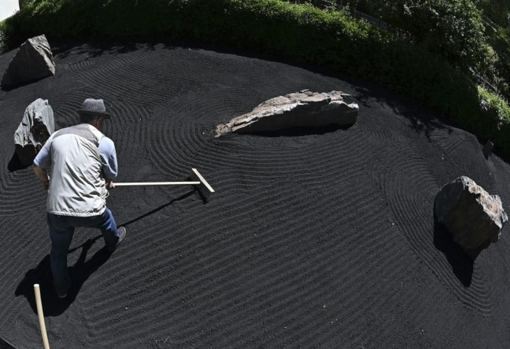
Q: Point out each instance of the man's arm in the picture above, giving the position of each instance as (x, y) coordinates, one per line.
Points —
(41, 162)
(42, 175)
(108, 160)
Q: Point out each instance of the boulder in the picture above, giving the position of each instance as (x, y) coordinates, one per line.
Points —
(34, 130)
(33, 61)
(472, 217)
(303, 109)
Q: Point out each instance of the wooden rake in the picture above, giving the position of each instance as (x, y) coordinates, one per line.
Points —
(195, 179)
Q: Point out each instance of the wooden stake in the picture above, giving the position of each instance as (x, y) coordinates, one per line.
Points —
(41, 316)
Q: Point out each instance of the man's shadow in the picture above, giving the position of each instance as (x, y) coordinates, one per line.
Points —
(79, 273)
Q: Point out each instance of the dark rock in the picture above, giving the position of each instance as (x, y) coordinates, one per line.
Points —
(487, 149)
(472, 217)
(33, 61)
(34, 130)
(304, 109)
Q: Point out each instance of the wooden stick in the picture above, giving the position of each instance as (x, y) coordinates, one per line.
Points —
(41, 316)
(132, 184)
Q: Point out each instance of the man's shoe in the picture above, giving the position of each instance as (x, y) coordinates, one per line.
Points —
(63, 294)
(122, 235)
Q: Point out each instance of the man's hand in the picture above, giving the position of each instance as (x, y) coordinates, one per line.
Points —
(110, 184)
(42, 175)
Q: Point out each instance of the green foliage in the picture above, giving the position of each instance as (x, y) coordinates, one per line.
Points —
(497, 11)
(451, 28)
(322, 4)
(467, 33)
(299, 33)
(3, 45)
(494, 107)
(501, 44)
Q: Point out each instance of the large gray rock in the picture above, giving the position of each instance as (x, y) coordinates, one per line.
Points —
(472, 216)
(304, 109)
(34, 130)
(33, 61)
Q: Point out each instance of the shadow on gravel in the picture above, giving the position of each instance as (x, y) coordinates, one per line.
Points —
(462, 264)
(182, 197)
(79, 273)
(299, 131)
(22, 84)
(422, 120)
(6, 345)
(96, 47)
(15, 164)
(22, 158)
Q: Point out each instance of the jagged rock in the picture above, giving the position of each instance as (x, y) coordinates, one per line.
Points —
(34, 130)
(473, 218)
(33, 61)
(304, 109)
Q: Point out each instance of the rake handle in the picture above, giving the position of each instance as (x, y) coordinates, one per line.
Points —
(135, 184)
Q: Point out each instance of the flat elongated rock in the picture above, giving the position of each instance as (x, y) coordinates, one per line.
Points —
(472, 216)
(34, 130)
(33, 61)
(304, 109)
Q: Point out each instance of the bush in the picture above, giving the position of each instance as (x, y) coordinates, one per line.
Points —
(453, 29)
(3, 44)
(299, 33)
(496, 113)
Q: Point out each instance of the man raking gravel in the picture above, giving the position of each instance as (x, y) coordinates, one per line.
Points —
(83, 163)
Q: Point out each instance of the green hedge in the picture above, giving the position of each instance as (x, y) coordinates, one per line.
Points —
(299, 33)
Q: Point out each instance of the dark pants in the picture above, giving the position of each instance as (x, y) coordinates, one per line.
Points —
(61, 233)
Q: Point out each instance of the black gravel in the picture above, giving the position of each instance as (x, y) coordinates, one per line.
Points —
(320, 240)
